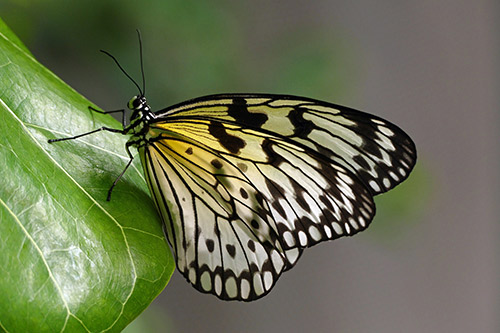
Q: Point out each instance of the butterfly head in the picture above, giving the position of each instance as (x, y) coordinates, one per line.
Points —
(141, 109)
(138, 103)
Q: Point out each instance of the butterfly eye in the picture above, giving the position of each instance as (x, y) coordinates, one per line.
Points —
(134, 103)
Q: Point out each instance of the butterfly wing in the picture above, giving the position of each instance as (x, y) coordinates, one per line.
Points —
(245, 182)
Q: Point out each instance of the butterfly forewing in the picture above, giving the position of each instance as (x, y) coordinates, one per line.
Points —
(377, 151)
(245, 182)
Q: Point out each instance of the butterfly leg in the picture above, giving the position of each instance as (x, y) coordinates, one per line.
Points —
(108, 112)
(127, 146)
(109, 129)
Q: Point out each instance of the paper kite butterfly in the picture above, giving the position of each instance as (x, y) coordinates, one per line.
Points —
(245, 182)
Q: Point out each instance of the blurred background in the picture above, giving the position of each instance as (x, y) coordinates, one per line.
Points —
(430, 260)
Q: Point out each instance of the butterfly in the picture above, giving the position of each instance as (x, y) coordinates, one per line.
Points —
(245, 182)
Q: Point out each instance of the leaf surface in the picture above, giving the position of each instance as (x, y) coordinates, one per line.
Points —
(69, 260)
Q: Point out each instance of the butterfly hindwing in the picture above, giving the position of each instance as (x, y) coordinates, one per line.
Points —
(221, 238)
(245, 182)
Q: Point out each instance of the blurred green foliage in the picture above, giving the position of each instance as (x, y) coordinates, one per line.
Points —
(399, 209)
(191, 49)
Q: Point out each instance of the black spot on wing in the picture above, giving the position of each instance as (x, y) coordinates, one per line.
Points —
(361, 161)
(243, 167)
(272, 158)
(231, 250)
(231, 142)
(216, 163)
(243, 193)
(210, 245)
(239, 111)
(372, 148)
(251, 245)
(302, 127)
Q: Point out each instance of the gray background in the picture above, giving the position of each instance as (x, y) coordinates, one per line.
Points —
(432, 67)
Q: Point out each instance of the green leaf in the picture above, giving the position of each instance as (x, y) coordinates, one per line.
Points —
(69, 260)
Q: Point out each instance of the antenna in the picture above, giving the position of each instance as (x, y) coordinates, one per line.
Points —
(124, 72)
(142, 62)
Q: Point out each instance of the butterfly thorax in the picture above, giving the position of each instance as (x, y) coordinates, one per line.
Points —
(140, 119)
